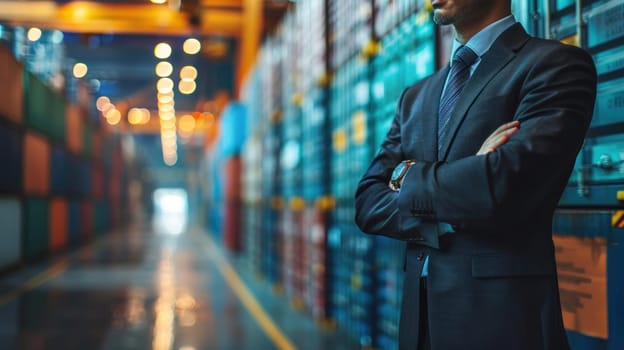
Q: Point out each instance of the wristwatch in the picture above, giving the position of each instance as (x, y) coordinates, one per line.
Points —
(399, 173)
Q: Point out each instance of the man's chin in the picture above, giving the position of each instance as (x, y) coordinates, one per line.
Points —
(442, 19)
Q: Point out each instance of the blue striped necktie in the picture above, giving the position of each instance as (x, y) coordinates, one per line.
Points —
(458, 76)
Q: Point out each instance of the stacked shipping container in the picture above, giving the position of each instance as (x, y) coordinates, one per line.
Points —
(52, 188)
(589, 221)
(319, 138)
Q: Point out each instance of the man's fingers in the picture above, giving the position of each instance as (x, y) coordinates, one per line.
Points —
(505, 127)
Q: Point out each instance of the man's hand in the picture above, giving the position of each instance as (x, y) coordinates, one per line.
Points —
(499, 137)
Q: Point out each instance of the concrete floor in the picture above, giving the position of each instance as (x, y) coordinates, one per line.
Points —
(144, 288)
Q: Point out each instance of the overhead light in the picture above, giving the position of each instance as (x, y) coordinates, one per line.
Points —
(138, 116)
(186, 123)
(162, 50)
(164, 69)
(191, 46)
(34, 34)
(170, 115)
(101, 102)
(57, 37)
(159, 2)
(113, 117)
(187, 87)
(164, 85)
(188, 73)
(80, 70)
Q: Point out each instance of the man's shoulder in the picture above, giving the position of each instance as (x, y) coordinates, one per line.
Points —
(553, 48)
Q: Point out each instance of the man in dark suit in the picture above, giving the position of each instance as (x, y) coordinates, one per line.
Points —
(481, 152)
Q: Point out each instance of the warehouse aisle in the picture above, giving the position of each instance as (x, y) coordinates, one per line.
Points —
(146, 288)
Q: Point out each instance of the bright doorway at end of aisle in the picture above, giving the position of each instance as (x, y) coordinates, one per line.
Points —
(170, 211)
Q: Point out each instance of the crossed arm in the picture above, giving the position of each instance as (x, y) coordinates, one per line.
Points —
(516, 169)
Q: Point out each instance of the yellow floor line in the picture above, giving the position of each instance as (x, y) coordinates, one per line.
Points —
(250, 302)
(35, 282)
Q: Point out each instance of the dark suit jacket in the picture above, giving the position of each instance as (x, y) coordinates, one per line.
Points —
(492, 284)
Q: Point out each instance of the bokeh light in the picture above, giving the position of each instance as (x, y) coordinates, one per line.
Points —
(34, 34)
(164, 69)
(80, 70)
(188, 73)
(191, 46)
(187, 87)
(162, 50)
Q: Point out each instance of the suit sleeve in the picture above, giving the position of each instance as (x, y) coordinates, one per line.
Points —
(376, 206)
(555, 107)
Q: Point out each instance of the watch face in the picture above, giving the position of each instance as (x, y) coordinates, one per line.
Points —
(398, 171)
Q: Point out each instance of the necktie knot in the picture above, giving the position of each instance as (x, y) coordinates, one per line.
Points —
(465, 56)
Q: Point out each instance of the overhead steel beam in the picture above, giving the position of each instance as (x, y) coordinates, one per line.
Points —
(92, 17)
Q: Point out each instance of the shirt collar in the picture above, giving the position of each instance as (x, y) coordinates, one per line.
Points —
(481, 42)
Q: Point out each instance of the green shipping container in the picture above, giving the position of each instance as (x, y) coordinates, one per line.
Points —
(36, 228)
(10, 239)
(44, 108)
(37, 101)
(101, 217)
(57, 117)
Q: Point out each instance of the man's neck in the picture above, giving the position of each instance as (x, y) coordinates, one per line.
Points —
(465, 31)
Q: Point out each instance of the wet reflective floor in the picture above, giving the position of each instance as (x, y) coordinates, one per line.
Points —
(144, 289)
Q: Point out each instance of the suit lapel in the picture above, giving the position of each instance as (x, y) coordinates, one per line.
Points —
(502, 51)
(427, 111)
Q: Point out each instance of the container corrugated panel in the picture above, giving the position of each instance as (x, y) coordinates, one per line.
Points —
(59, 172)
(232, 210)
(57, 123)
(36, 165)
(11, 237)
(604, 23)
(589, 273)
(350, 24)
(253, 229)
(289, 243)
(37, 102)
(389, 261)
(290, 154)
(11, 159)
(272, 243)
(233, 129)
(353, 280)
(101, 217)
(317, 290)
(36, 228)
(74, 128)
(316, 146)
(86, 220)
(97, 140)
(73, 175)
(231, 225)
(97, 182)
(11, 75)
(115, 210)
(87, 140)
(232, 172)
(59, 223)
(74, 222)
(85, 173)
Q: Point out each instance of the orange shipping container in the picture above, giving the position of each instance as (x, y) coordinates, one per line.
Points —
(36, 165)
(11, 99)
(74, 128)
(97, 144)
(58, 224)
